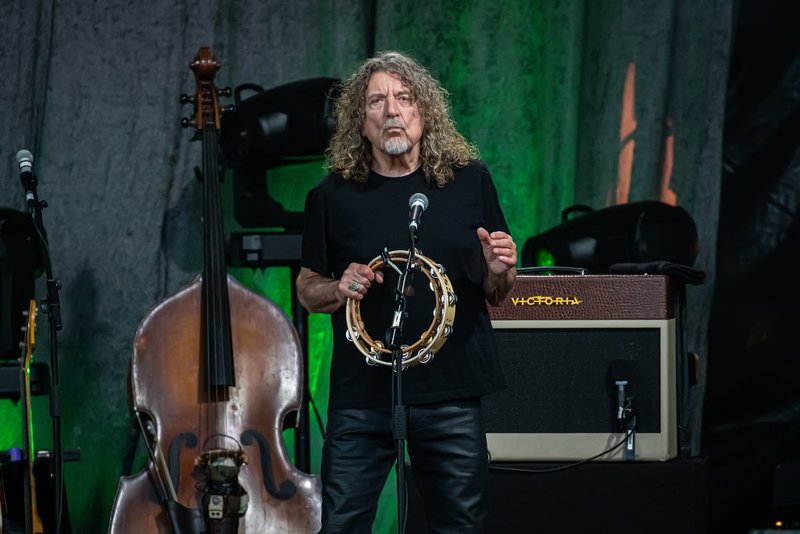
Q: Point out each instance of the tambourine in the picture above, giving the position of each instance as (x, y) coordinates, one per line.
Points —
(424, 349)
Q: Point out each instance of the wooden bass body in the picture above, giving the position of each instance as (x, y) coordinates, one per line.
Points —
(167, 387)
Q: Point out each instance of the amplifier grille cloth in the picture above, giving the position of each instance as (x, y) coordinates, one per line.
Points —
(559, 380)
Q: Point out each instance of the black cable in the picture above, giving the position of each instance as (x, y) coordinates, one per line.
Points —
(405, 512)
(568, 466)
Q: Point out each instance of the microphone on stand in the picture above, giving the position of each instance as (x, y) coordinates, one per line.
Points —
(626, 413)
(417, 204)
(52, 307)
(26, 176)
(620, 371)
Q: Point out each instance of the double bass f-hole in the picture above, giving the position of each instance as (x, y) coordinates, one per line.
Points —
(287, 488)
(215, 372)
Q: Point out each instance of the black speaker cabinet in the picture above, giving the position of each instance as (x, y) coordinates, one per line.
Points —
(561, 339)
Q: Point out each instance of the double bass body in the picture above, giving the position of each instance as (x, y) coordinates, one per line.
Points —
(167, 377)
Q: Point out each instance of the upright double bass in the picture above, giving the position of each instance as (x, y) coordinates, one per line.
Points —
(215, 370)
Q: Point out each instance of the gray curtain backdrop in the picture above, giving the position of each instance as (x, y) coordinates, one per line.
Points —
(680, 50)
(91, 88)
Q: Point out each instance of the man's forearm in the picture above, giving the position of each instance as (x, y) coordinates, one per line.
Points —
(317, 293)
(497, 287)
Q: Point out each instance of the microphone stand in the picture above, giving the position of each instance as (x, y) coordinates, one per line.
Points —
(52, 307)
(394, 336)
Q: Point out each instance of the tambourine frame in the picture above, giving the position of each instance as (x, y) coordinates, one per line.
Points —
(434, 337)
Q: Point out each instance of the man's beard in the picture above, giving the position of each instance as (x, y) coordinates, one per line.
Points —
(396, 145)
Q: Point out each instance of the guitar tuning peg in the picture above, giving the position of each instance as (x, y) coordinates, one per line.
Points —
(226, 91)
(188, 99)
(227, 109)
(23, 329)
(26, 313)
(185, 123)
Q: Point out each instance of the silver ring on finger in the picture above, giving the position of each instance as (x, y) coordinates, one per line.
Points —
(354, 285)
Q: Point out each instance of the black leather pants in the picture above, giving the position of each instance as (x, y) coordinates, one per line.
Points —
(447, 447)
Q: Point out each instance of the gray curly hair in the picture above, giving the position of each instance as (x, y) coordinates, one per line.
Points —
(441, 146)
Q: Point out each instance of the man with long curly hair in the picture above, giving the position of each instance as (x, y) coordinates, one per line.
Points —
(395, 138)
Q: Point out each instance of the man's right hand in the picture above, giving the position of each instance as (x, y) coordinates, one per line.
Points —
(322, 294)
(356, 280)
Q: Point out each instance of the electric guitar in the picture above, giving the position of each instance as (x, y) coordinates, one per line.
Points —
(33, 522)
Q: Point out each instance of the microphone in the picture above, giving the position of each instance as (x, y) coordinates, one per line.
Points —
(417, 204)
(620, 371)
(26, 176)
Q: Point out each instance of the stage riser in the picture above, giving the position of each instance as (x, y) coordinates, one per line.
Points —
(623, 498)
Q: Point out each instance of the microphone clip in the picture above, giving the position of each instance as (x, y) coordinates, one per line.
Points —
(627, 419)
(29, 181)
(627, 411)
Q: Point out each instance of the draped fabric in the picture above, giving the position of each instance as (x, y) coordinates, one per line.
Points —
(752, 397)
(568, 101)
(667, 58)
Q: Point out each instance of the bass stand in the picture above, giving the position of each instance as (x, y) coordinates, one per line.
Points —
(51, 305)
(394, 336)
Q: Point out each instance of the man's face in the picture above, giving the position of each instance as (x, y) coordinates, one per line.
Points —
(392, 124)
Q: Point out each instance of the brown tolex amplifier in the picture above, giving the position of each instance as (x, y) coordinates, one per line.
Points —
(564, 340)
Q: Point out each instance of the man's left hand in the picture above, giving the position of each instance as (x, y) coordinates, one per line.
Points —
(499, 250)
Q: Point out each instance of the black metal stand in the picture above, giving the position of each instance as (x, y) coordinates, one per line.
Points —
(394, 335)
(52, 307)
(399, 434)
(630, 430)
(302, 444)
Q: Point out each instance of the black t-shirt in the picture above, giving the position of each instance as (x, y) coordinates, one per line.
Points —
(348, 222)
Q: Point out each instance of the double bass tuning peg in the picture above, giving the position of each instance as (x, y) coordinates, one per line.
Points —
(192, 99)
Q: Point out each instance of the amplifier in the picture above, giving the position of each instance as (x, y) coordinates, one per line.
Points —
(558, 339)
